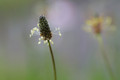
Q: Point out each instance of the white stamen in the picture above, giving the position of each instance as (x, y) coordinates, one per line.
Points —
(38, 25)
(41, 37)
(45, 41)
(51, 42)
(39, 42)
(60, 33)
(35, 29)
(32, 32)
(30, 35)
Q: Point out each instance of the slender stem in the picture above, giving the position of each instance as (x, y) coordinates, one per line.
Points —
(53, 60)
(106, 58)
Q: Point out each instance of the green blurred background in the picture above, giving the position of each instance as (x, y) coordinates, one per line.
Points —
(77, 53)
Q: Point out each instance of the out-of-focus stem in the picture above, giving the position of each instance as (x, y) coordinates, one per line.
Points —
(106, 60)
(53, 60)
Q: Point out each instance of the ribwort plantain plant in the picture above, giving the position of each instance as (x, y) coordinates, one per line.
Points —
(97, 25)
(45, 34)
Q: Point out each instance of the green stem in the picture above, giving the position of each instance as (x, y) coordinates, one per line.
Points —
(53, 60)
(106, 60)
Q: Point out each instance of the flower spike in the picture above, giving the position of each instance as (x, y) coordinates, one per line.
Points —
(43, 30)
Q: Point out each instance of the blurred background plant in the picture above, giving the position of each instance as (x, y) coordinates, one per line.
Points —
(96, 25)
(22, 59)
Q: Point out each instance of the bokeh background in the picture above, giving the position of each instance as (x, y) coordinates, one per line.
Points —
(77, 53)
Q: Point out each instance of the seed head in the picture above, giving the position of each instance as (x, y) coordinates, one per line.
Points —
(44, 28)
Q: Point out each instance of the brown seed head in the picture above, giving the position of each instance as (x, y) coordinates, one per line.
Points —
(45, 31)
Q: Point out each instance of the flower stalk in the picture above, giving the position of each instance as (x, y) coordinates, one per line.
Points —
(104, 55)
(45, 34)
(53, 60)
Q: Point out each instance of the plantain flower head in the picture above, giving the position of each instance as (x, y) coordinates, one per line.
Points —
(43, 30)
(98, 24)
